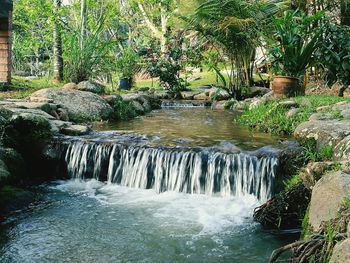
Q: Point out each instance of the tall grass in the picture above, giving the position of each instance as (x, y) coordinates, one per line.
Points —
(88, 58)
(271, 117)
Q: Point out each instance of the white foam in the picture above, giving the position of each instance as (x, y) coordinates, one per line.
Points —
(209, 215)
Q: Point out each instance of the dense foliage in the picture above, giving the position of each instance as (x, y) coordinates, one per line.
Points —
(334, 55)
(294, 43)
(233, 27)
(104, 40)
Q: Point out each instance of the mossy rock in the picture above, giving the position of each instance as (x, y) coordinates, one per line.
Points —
(13, 198)
(26, 131)
(5, 113)
(27, 134)
(14, 163)
(4, 172)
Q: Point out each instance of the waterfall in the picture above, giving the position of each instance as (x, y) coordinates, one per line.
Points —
(185, 104)
(173, 169)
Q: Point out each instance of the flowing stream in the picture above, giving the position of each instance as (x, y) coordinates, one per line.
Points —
(177, 185)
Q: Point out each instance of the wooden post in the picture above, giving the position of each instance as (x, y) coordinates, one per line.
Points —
(5, 48)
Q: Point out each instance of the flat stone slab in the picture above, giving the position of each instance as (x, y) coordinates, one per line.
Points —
(57, 125)
(6, 103)
(36, 105)
(321, 116)
(19, 111)
(75, 130)
(189, 95)
(324, 109)
(201, 96)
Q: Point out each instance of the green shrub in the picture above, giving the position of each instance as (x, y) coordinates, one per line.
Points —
(313, 154)
(123, 110)
(127, 64)
(168, 73)
(292, 182)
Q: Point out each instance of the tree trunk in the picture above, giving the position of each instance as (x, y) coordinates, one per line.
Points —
(57, 47)
(345, 12)
(83, 22)
(164, 23)
(160, 34)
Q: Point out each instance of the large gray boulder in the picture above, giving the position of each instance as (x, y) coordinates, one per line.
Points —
(258, 91)
(219, 94)
(340, 106)
(75, 130)
(189, 95)
(327, 198)
(81, 106)
(146, 101)
(341, 252)
(343, 108)
(326, 133)
(321, 116)
(201, 96)
(91, 86)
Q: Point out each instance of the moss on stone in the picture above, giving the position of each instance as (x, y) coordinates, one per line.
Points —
(306, 228)
(13, 198)
(27, 131)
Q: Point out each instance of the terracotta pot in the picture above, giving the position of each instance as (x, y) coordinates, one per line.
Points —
(287, 87)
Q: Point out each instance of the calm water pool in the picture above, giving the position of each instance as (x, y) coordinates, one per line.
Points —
(193, 127)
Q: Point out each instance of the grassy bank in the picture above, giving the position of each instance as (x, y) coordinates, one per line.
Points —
(271, 117)
(22, 87)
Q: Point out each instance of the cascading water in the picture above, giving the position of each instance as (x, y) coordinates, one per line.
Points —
(184, 104)
(173, 186)
(171, 169)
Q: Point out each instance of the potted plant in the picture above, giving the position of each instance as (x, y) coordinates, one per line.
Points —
(295, 42)
(127, 66)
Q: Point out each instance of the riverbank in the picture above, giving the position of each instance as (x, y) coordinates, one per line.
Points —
(195, 191)
(28, 125)
(316, 198)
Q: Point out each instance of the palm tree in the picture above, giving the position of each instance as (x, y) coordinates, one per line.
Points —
(233, 26)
